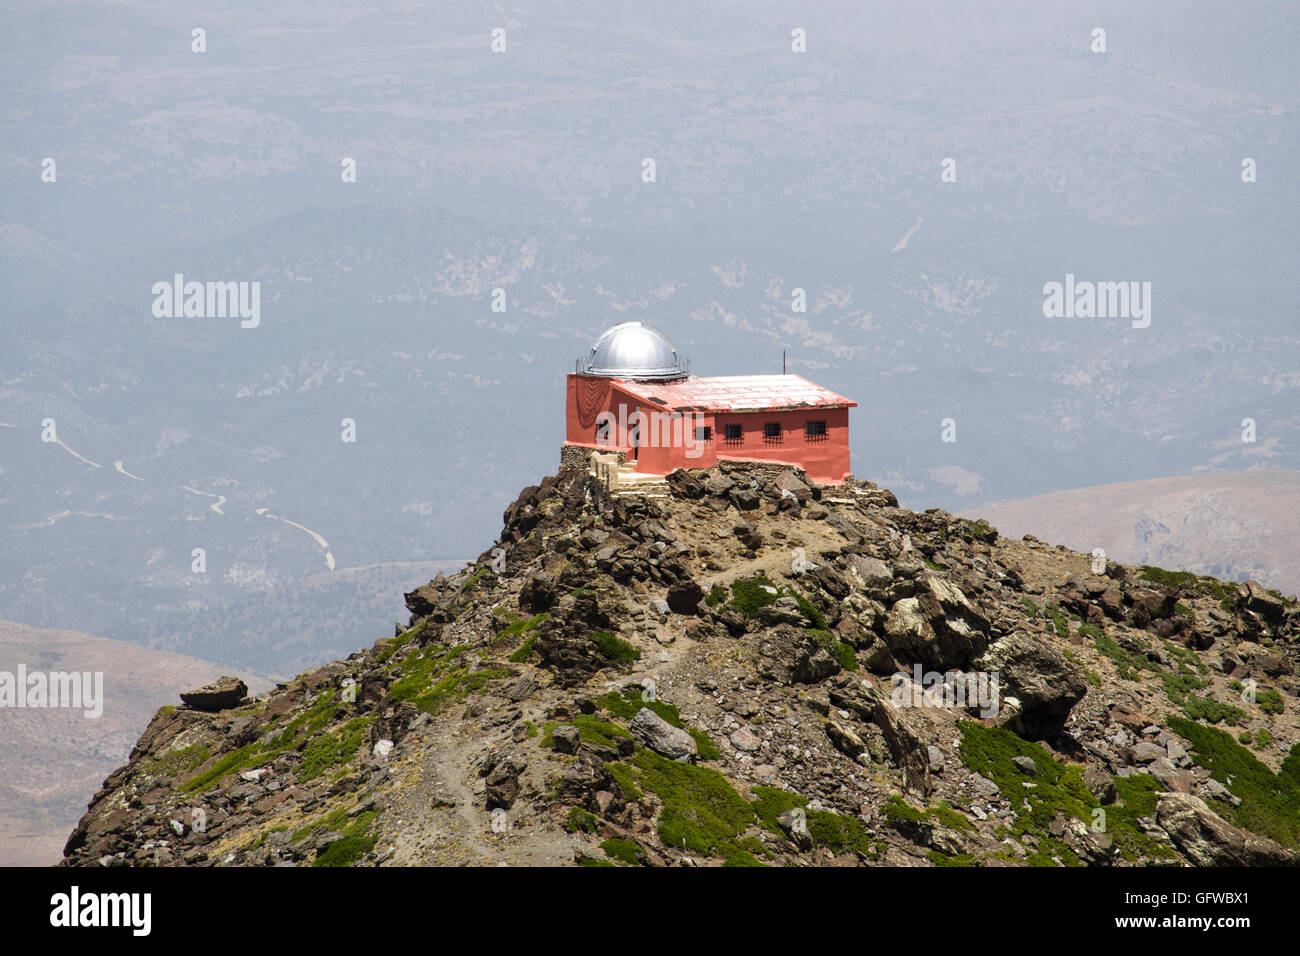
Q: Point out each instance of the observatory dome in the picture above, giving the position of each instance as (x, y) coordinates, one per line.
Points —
(634, 350)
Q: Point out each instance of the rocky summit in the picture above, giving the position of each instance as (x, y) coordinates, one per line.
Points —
(741, 667)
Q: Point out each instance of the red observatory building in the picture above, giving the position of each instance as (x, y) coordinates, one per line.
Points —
(633, 393)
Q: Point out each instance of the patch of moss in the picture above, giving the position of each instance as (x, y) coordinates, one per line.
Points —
(1178, 580)
(1031, 608)
(717, 594)
(835, 831)
(615, 648)
(896, 810)
(626, 704)
(330, 750)
(704, 744)
(1059, 621)
(1058, 789)
(700, 811)
(580, 821)
(1127, 663)
(1212, 711)
(846, 655)
(524, 651)
(626, 780)
(752, 594)
(1270, 803)
(1178, 686)
(432, 681)
(346, 851)
(522, 626)
(592, 730)
(397, 643)
(176, 763)
(627, 852)
(1270, 701)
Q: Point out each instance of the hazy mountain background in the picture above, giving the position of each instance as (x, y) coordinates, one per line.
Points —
(522, 170)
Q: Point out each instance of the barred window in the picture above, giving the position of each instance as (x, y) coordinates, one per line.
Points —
(815, 430)
(703, 433)
(732, 434)
(772, 431)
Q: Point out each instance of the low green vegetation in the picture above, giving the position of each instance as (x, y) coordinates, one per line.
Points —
(1270, 803)
(701, 811)
(580, 821)
(627, 852)
(615, 648)
(432, 680)
(1127, 663)
(329, 750)
(1059, 621)
(751, 595)
(1212, 711)
(704, 744)
(625, 705)
(835, 831)
(177, 763)
(1270, 701)
(1058, 789)
(524, 651)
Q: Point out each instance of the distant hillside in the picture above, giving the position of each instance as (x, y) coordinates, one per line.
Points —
(52, 761)
(287, 627)
(1233, 525)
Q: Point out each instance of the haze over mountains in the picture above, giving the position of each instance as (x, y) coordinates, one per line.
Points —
(1233, 526)
(775, 171)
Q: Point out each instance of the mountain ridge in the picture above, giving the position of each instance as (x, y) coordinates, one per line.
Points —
(745, 667)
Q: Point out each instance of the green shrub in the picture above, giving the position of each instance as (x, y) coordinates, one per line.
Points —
(1270, 803)
(628, 852)
(615, 648)
(700, 811)
(1211, 711)
(1270, 701)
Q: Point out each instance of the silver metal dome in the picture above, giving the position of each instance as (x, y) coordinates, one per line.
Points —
(634, 350)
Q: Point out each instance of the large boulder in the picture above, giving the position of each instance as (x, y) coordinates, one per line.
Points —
(221, 694)
(685, 598)
(652, 731)
(1040, 677)
(937, 626)
(791, 655)
(538, 593)
(1206, 839)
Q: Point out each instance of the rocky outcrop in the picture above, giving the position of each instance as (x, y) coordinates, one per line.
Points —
(221, 694)
(744, 667)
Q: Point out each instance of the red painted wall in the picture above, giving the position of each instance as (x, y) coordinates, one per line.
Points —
(825, 459)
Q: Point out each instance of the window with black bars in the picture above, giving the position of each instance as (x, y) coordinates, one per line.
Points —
(815, 430)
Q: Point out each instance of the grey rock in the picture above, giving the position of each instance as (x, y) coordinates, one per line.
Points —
(662, 737)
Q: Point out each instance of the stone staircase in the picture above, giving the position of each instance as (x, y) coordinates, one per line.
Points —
(621, 477)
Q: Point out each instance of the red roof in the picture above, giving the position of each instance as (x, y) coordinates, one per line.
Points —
(737, 393)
